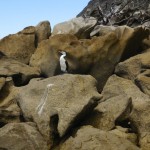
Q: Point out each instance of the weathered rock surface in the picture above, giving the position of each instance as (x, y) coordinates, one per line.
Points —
(42, 31)
(137, 69)
(18, 46)
(9, 110)
(25, 136)
(125, 133)
(139, 114)
(96, 57)
(89, 138)
(22, 45)
(107, 113)
(143, 81)
(20, 72)
(133, 66)
(80, 27)
(58, 108)
(101, 30)
(118, 12)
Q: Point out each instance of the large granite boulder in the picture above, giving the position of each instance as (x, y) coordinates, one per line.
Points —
(137, 116)
(22, 45)
(80, 27)
(89, 138)
(56, 104)
(21, 73)
(133, 66)
(97, 56)
(18, 46)
(25, 136)
(42, 31)
(107, 113)
(137, 69)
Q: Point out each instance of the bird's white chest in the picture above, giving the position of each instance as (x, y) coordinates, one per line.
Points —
(63, 65)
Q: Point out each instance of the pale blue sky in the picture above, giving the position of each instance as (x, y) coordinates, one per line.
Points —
(18, 14)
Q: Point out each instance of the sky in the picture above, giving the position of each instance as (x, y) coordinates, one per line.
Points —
(18, 14)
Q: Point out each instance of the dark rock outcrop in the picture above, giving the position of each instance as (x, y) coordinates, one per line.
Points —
(118, 12)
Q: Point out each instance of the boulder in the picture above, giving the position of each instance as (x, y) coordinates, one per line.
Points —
(20, 72)
(18, 46)
(80, 27)
(138, 116)
(42, 31)
(107, 113)
(89, 138)
(133, 66)
(22, 45)
(9, 110)
(58, 103)
(97, 56)
(17, 136)
(137, 69)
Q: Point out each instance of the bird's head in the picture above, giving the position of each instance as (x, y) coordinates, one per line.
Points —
(62, 52)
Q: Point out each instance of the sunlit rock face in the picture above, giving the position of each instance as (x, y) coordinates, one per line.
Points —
(22, 45)
(80, 27)
(57, 103)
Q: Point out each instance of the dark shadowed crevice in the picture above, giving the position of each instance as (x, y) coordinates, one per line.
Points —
(2, 124)
(17, 78)
(124, 119)
(125, 124)
(54, 130)
(137, 83)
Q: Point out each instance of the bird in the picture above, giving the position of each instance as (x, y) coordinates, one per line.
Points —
(63, 62)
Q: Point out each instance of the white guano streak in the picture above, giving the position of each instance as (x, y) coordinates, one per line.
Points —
(42, 103)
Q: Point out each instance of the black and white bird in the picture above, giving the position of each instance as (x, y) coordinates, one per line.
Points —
(63, 62)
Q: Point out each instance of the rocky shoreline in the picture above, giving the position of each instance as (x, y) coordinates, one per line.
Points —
(84, 85)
